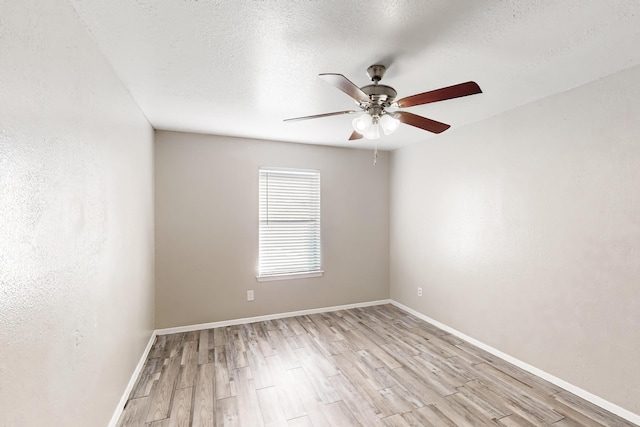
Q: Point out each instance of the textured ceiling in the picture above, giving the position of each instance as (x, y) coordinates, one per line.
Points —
(239, 67)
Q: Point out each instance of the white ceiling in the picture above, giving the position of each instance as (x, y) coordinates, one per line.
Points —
(239, 67)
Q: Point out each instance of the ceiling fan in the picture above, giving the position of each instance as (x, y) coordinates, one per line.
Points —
(377, 102)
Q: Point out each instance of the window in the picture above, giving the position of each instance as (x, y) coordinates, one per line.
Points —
(289, 224)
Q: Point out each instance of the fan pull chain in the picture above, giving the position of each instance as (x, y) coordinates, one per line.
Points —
(375, 155)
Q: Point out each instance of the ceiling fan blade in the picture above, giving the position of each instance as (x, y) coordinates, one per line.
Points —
(317, 116)
(421, 122)
(450, 92)
(345, 85)
(355, 135)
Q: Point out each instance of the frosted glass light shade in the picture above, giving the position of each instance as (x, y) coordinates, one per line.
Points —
(372, 132)
(389, 124)
(361, 123)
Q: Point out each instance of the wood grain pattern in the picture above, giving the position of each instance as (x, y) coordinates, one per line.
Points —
(163, 391)
(249, 407)
(374, 366)
(203, 347)
(188, 365)
(134, 413)
(227, 414)
(203, 415)
(181, 408)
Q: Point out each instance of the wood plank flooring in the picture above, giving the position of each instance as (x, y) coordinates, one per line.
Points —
(374, 366)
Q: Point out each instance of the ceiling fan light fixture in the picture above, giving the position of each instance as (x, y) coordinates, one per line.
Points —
(361, 123)
(389, 123)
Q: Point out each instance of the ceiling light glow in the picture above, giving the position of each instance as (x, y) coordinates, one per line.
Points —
(369, 126)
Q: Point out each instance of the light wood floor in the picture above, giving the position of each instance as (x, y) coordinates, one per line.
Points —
(362, 367)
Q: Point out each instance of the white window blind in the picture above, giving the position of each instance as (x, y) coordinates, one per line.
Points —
(289, 222)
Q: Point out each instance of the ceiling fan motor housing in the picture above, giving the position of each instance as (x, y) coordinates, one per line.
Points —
(380, 94)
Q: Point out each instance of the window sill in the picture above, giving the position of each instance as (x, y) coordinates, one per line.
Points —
(290, 276)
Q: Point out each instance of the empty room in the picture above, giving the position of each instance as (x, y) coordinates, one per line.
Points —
(318, 213)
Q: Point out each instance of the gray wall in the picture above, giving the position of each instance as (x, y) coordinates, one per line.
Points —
(207, 228)
(524, 232)
(76, 223)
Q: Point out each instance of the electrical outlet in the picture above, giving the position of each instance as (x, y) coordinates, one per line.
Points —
(419, 292)
(250, 295)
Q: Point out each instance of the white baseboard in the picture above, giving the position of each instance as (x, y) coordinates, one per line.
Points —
(232, 322)
(590, 397)
(132, 382)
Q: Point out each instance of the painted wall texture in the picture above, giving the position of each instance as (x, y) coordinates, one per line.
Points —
(76, 223)
(524, 232)
(206, 210)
